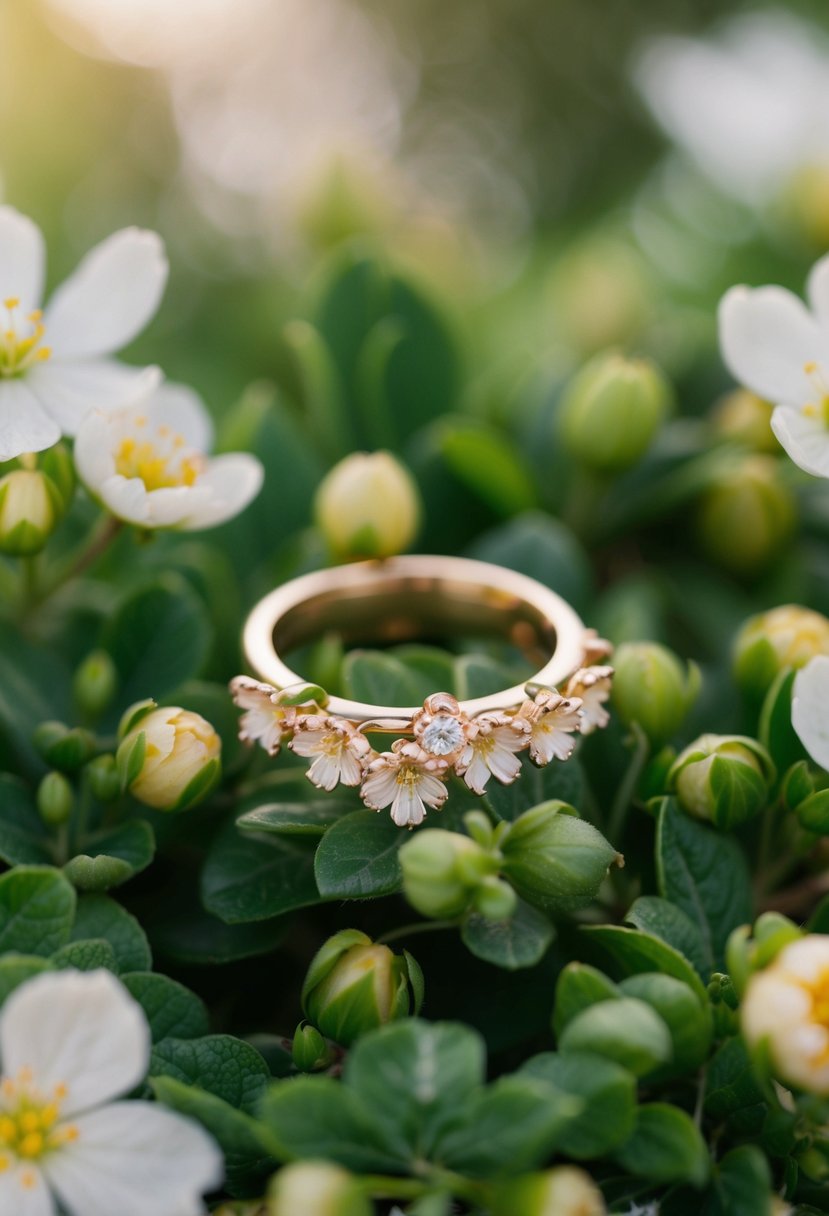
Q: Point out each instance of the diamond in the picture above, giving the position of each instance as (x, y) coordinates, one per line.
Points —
(442, 736)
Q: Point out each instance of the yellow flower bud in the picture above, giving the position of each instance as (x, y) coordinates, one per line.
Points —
(786, 1008)
(788, 636)
(316, 1188)
(743, 416)
(368, 506)
(746, 518)
(30, 508)
(563, 1191)
(169, 758)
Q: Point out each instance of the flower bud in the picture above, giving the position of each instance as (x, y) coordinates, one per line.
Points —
(554, 859)
(55, 799)
(724, 778)
(30, 508)
(562, 1191)
(316, 1188)
(749, 949)
(745, 519)
(653, 688)
(63, 748)
(368, 506)
(310, 1050)
(104, 779)
(441, 871)
(785, 1011)
(746, 418)
(95, 683)
(353, 986)
(169, 759)
(788, 636)
(495, 899)
(612, 410)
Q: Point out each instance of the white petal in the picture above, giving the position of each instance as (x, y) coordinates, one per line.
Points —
(805, 439)
(183, 411)
(351, 771)
(807, 958)
(476, 774)
(22, 259)
(379, 789)
(132, 1159)
(25, 1192)
(408, 810)
(504, 764)
(69, 390)
(110, 297)
(126, 498)
(324, 773)
(24, 426)
(233, 481)
(818, 290)
(78, 1029)
(768, 337)
(810, 709)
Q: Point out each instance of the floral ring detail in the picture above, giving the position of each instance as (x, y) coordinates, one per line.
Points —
(478, 739)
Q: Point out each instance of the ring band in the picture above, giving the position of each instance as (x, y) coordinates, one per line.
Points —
(475, 740)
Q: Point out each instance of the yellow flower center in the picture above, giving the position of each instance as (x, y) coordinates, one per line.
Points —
(160, 459)
(408, 775)
(820, 408)
(819, 992)
(20, 344)
(30, 1122)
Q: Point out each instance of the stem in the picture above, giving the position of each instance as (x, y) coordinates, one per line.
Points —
(418, 926)
(99, 541)
(627, 787)
(382, 1187)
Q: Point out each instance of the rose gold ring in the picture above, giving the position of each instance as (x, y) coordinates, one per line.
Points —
(399, 600)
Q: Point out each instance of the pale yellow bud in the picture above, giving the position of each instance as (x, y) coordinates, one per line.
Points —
(170, 758)
(563, 1191)
(368, 506)
(28, 511)
(745, 417)
(788, 636)
(316, 1188)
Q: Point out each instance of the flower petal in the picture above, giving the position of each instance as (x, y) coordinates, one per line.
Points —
(768, 337)
(232, 481)
(805, 439)
(80, 1030)
(407, 809)
(810, 700)
(69, 391)
(24, 425)
(133, 1158)
(183, 411)
(24, 1192)
(110, 297)
(817, 290)
(22, 259)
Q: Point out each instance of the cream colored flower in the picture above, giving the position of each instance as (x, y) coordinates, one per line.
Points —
(786, 1006)
(491, 750)
(553, 721)
(177, 757)
(340, 751)
(408, 780)
(264, 722)
(440, 727)
(592, 686)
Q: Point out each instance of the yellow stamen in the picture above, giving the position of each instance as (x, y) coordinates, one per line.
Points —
(158, 461)
(5, 1162)
(28, 1180)
(31, 1145)
(11, 303)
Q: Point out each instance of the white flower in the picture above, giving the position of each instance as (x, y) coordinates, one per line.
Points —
(147, 464)
(777, 347)
(340, 750)
(264, 721)
(408, 780)
(54, 365)
(787, 1006)
(490, 750)
(810, 709)
(591, 685)
(750, 106)
(70, 1043)
(553, 722)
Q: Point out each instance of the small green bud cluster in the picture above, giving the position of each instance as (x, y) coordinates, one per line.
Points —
(446, 874)
(723, 778)
(653, 688)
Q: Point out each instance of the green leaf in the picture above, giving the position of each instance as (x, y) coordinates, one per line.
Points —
(86, 955)
(23, 836)
(379, 679)
(705, 874)
(34, 688)
(415, 1077)
(626, 1030)
(521, 941)
(431, 668)
(227, 1067)
(37, 905)
(159, 637)
(688, 1021)
(486, 462)
(665, 1146)
(15, 969)
(318, 1117)
(562, 781)
(357, 857)
(543, 548)
(311, 818)
(580, 986)
(607, 1090)
(321, 388)
(172, 1010)
(476, 675)
(731, 1083)
(248, 1162)
(511, 1126)
(776, 732)
(250, 878)
(114, 857)
(100, 916)
(742, 1183)
(671, 925)
(183, 931)
(634, 952)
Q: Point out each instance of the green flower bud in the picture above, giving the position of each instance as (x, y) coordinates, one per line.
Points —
(316, 1188)
(368, 506)
(354, 985)
(55, 799)
(495, 899)
(95, 683)
(746, 518)
(724, 778)
(746, 418)
(653, 688)
(554, 859)
(30, 508)
(310, 1050)
(788, 636)
(63, 748)
(441, 871)
(104, 779)
(750, 949)
(612, 410)
(170, 758)
(562, 1191)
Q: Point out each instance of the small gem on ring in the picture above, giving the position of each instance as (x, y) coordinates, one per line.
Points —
(443, 735)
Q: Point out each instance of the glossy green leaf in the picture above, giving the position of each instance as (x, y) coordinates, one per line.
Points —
(627, 1031)
(580, 986)
(665, 1146)
(671, 925)
(37, 906)
(521, 941)
(607, 1091)
(250, 878)
(633, 952)
(87, 955)
(23, 836)
(223, 1065)
(98, 916)
(358, 857)
(172, 1010)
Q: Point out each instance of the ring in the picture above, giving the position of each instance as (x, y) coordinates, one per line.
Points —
(398, 600)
